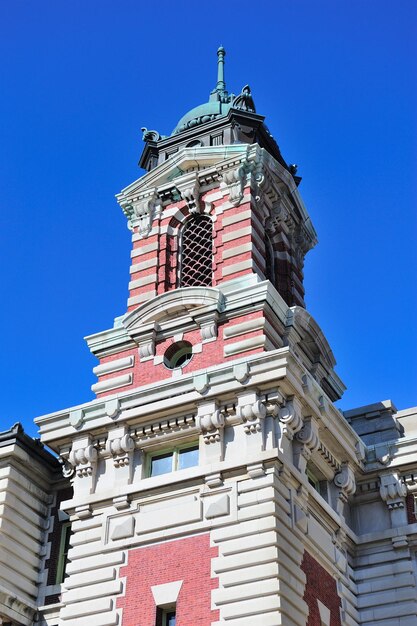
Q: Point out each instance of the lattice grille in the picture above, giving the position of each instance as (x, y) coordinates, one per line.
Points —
(197, 252)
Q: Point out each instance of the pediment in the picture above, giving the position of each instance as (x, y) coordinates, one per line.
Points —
(183, 162)
(172, 304)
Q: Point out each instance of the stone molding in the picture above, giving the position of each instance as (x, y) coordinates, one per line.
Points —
(142, 201)
(210, 421)
(392, 490)
(345, 481)
(84, 460)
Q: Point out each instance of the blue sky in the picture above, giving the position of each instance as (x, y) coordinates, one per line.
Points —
(336, 81)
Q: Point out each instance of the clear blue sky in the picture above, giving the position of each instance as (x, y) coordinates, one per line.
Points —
(336, 81)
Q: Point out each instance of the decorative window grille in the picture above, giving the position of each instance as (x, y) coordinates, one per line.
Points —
(196, 252)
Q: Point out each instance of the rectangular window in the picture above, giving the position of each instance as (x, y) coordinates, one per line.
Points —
(64, 545)
(165, 617)
(170, 619)
(216, 140)
(176, 459)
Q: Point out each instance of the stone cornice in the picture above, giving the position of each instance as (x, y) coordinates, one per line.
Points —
(232, 166)
(139, 407)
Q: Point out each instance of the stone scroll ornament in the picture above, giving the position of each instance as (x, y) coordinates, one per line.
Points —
(290, 417)
(84, 460)
(235, 180)
(211, 425)
(393, 491)
(119, 449)
(345, 481)
(308, 437)
(252, 416)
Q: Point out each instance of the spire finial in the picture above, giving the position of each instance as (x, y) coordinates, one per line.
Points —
(221, 85)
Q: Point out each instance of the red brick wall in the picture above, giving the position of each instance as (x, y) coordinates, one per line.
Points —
(411, 515)
(321, 586)
(188, 560)
(211, 354)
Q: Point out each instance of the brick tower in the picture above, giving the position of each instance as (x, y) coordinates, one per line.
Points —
(212, 475)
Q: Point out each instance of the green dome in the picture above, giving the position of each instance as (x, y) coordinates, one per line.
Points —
(203, 113)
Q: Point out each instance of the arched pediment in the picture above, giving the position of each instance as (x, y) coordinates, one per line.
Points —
(313, 342)
(173, 304)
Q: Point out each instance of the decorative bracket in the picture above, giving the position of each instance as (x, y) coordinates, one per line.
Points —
(142, 211)
(307, 442)
(290, 417)
(393, 491)
(119, 449)
(210, 424)
(189, 189)
(251, 414)
(84, 460)
(345, 481)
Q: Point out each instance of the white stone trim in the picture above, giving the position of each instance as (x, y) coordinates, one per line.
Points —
(324, 614)
(237, 267)
(229, 252)
(166, 594)
(144, 249)
(236, 217)
(237, 234)
(243, 346)
(114, 366)
(243, 327)
(112, 383)
(144, 280)
(144, 265)
(143, 297)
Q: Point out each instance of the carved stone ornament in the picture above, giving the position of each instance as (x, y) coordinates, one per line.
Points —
(189, 190)
(235, 181)
(345, 481)
(210, 425)
(147, 345)
(244, 101)
(308, 436)
(252, 416)
(112, 408)
(84, 460)
(150, 135)
(290, 418)
(393, 491)
(142, 211)
(119, 449)
(67, 468)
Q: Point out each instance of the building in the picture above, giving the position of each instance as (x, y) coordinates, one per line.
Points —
(212, 480)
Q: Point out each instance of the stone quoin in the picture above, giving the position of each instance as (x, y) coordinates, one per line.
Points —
(212, 481)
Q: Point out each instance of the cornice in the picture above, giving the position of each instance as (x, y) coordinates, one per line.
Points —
(231, 166)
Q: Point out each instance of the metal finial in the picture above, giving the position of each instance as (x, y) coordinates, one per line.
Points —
(221, 85)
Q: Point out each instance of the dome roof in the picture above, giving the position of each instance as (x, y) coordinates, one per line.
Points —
(203, 113)
(219, 104)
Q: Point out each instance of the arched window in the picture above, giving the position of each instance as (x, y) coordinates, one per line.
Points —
(196, 252)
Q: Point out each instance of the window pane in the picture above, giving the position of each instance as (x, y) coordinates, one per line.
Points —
(161, 464)
(171, 619)
(188, 457)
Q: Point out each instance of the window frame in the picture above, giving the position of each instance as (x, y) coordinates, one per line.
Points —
(62, 553)
(180, 251)
(175, 453)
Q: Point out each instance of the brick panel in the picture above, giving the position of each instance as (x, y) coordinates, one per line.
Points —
(188, 560)
(411, 515)
(320, 585)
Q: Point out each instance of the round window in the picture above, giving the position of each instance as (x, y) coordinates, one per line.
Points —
(178, 355)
